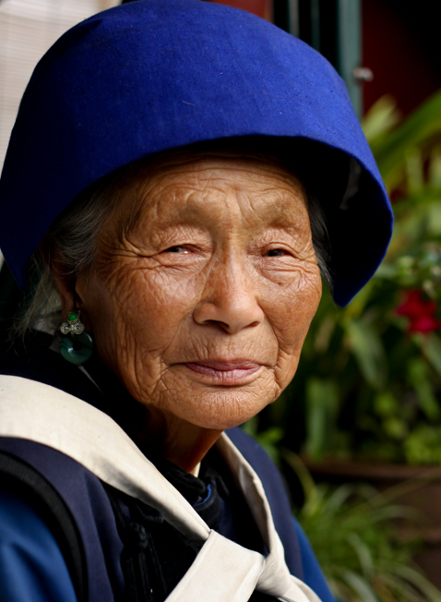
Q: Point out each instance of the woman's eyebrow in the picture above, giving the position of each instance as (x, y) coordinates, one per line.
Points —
(281, 213)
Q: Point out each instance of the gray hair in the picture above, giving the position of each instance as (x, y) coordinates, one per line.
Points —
(74, 236)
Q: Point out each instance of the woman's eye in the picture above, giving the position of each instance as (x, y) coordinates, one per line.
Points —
(275, 253)
(176, 249)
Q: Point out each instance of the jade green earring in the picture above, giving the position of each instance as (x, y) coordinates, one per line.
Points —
(76, 345)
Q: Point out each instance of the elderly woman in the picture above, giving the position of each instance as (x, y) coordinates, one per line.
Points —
(179, 177)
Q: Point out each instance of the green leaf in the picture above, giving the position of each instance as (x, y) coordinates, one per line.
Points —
(394, 427)
(419, 378)
(414, 170)
(363, 552)
(409, 574)
(269, 440)
(423, 445)
(381, 118)
(431, 347)
(339, 497)
(434, 175)
(422, 125)
(321, 410)
(386, 404)
(368, 350)
(360, 586)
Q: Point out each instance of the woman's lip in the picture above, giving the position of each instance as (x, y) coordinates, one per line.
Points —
(225, 372)
(227, 365)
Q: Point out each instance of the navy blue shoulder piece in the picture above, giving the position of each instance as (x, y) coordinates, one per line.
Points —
(95, 520)
(21, 479)
(276, 493)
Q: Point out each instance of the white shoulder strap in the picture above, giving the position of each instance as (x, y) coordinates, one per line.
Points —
(223, 570)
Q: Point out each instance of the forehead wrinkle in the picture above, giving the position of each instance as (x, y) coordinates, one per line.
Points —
(275, 208)
(204, 208)
(145, 204)
(145, 199)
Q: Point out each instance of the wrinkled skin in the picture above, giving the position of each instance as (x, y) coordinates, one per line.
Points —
(201, 304)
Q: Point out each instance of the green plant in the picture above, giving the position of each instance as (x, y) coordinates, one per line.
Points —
(357, 535)
(369, 379)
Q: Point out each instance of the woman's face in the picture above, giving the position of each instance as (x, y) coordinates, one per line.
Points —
(204, 287)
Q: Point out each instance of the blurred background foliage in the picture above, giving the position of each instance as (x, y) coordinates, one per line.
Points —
(364, 539)
(369, 381)
(368, 386)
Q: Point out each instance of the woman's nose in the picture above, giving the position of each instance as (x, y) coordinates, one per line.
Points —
(229, 300)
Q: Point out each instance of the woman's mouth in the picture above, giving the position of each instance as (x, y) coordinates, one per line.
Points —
(234, 372)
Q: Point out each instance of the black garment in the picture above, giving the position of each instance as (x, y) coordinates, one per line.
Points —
(156, 556)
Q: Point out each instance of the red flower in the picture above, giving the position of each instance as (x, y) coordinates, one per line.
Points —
(421, 313)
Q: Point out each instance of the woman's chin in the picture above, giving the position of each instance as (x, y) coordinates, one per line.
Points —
(223, 409)
(206, 396)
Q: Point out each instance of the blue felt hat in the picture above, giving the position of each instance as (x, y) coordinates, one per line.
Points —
(154, 75)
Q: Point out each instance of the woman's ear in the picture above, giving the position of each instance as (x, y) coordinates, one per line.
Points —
(67, 289)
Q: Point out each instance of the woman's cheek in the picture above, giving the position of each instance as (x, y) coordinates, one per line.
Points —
(294, 307)
(286, 369)
(295, 312)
